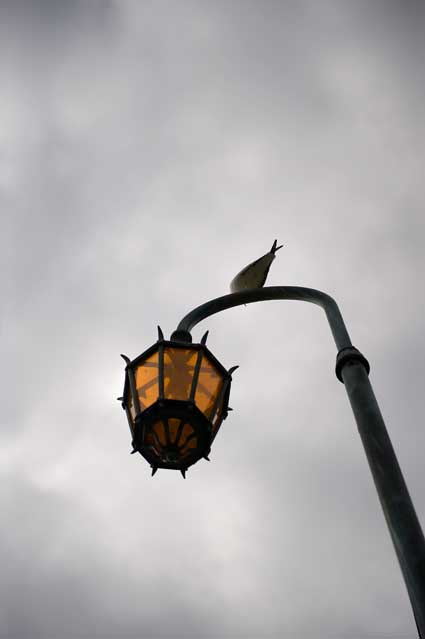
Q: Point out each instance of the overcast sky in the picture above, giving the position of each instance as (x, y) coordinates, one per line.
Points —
(148, 151)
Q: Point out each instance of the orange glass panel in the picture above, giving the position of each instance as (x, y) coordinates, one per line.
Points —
(146, 376)
(209, 386)
(186, 432)
(179, 365)
(173, 427)
(152, 443)
(187, 439)
(159, 430)
(190, 444)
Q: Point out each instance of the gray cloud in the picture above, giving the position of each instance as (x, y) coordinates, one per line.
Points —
(147, 152)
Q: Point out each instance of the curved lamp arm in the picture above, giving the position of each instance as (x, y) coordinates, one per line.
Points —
(336, 323)
(352, 369)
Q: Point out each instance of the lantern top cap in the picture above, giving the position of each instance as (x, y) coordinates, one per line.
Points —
(181, 336)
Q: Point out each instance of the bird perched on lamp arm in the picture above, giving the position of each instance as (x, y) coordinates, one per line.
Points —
(255, 274)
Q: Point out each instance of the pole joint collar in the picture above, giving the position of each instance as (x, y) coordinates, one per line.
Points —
(348, 355)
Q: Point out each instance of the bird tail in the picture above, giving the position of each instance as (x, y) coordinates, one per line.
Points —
(275, 248)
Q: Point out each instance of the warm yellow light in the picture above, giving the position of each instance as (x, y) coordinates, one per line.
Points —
(146, 378)
(179, 366)
(209, 385)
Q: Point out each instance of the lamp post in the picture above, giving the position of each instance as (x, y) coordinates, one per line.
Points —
(352, 369)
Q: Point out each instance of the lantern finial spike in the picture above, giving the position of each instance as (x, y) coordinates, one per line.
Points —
(204, 338)
(125, 358)
(232, 370)
(160, 334)
(207, 458)
(154, 469)
(134, 451)
(183, 472)
(228, 408)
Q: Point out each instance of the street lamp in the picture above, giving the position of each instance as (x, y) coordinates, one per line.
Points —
(176, 396)
(352, 369)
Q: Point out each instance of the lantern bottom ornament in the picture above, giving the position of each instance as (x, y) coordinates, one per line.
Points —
(172, 434)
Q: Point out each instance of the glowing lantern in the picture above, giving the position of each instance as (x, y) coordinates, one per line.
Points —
(176, 396)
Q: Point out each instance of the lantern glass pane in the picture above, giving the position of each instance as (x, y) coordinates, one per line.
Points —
(159, 431)
(146, 376)
(179, 365)
(209, 386)
(173, 428)
(217, 420)
(130, 404)
(152, 440)
(187, 440)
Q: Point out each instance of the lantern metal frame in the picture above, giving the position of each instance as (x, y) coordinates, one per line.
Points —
(205, 428)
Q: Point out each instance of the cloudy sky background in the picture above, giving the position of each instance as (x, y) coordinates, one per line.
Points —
(148, 151)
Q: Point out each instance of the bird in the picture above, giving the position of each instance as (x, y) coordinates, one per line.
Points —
(255, 274)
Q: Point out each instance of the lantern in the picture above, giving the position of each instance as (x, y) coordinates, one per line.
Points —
(176, 396)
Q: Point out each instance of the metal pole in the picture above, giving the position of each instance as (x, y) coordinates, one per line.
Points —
(403, 524)
(352, 369)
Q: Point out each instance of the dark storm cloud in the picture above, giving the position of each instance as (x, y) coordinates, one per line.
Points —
(148, 151)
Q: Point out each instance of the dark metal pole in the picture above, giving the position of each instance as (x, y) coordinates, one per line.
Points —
(352, 369)
(403, 524)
